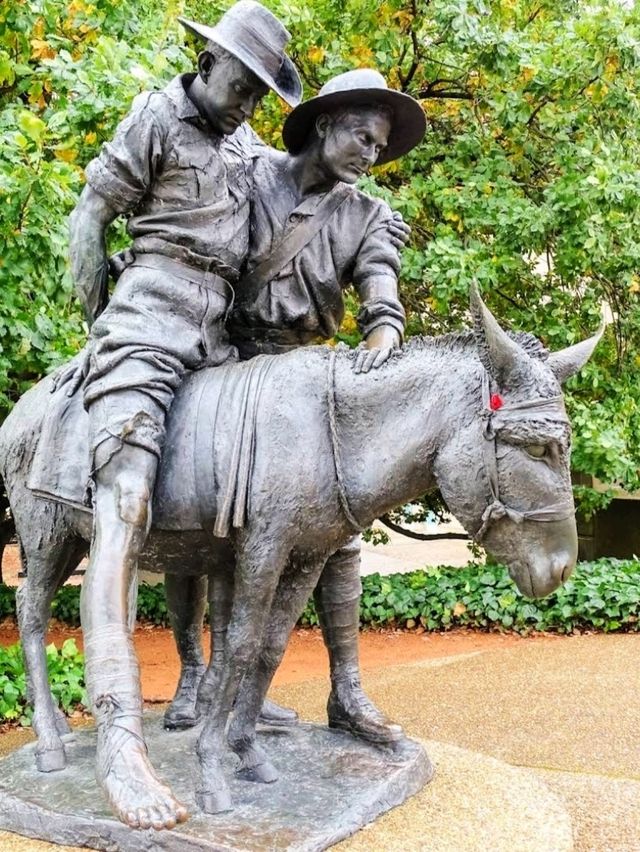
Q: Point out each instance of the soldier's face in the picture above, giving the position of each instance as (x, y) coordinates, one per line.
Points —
(351, 141)
(232, 94)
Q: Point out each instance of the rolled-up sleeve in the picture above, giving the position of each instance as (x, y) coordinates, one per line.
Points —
(375, 276)
(126, 166)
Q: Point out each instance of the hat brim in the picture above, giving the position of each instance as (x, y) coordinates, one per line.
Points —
(408, 126)
(286, 84)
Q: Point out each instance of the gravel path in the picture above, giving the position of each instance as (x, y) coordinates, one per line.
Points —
(537, 747)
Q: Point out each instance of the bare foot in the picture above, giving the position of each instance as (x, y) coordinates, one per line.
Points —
(134, 792)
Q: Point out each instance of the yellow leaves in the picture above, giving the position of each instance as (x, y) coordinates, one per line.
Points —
(91, 138)
(76, 7)
(403, 19)
(455, 220)
(527, 74)
(316, 54)
(388, 168)
(596, 91)
(40, 49)
(459, 609)
(68, 155)
(349, 324)
(634, 287)
(611, 66)
(361, 52)
(39, 29)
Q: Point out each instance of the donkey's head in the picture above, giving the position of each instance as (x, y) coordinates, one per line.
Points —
(505, 472)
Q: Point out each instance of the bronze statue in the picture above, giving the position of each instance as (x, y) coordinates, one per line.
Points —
(321, 469)
(265, 470)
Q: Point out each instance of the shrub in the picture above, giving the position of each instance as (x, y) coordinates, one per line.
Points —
(66, 677)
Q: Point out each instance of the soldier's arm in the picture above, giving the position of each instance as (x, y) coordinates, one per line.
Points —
(87, 249)
(381, 318)
(117, 181)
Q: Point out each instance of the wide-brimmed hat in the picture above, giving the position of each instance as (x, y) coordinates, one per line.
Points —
(362, 87)
(254, 35)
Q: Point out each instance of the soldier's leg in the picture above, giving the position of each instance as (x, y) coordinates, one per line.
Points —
(337, 599)
(186, 604)
(124, 480)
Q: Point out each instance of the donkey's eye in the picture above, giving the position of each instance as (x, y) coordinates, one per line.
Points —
(536, 451)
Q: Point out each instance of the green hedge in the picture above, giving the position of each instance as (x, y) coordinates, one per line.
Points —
(602, 595)
(66, 676)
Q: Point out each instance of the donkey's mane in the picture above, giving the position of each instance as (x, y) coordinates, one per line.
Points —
(463, 341)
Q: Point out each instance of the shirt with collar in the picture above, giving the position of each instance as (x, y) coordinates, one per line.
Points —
(305, 301)
(184, 188)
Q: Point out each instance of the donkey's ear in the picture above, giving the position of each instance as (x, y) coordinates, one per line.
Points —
(566, 362)
(499, 354)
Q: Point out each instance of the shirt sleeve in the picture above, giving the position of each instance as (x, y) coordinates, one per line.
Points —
(375, 276)
(126, 166)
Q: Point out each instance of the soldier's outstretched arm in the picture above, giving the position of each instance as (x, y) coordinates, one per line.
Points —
(381, 319)
(87, 248)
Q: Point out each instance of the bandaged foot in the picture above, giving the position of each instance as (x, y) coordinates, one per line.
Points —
(123, 770)
(136, 795)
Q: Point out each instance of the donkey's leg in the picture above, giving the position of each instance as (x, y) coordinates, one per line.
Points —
(337, 599)
(47, 569)
(294, 590)
(186, 602)
(258, 569)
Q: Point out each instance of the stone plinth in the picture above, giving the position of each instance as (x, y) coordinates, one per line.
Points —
(330, 785)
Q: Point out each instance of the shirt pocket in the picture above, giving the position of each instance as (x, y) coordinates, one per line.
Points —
(238, 178)
(197, 176)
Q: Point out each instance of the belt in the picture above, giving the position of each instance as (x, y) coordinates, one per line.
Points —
(208, 280)
(248, 349)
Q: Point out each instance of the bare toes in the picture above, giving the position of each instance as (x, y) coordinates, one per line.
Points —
(143, 818)
(131, 819)
(167, 818)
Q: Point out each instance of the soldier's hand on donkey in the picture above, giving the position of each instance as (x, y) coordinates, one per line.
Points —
(399, 231)
(376, 349)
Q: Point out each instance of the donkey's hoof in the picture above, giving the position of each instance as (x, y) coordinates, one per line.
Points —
(51, 760)
(263, 773)
(214, 803)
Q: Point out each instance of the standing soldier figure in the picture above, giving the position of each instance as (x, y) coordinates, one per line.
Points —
(313, 234)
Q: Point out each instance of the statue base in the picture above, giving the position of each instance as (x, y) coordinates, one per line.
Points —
(330, 786)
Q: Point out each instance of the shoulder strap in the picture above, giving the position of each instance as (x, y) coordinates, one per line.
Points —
(292, 243)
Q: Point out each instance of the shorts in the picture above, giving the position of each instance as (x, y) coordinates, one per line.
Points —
(159, 324)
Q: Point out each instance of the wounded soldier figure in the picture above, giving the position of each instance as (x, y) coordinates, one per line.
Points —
(179, 167)
(189, 173)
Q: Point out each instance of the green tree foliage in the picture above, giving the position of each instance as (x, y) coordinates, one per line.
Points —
(528, 178)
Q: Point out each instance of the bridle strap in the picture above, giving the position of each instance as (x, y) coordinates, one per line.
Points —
(548, 408)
